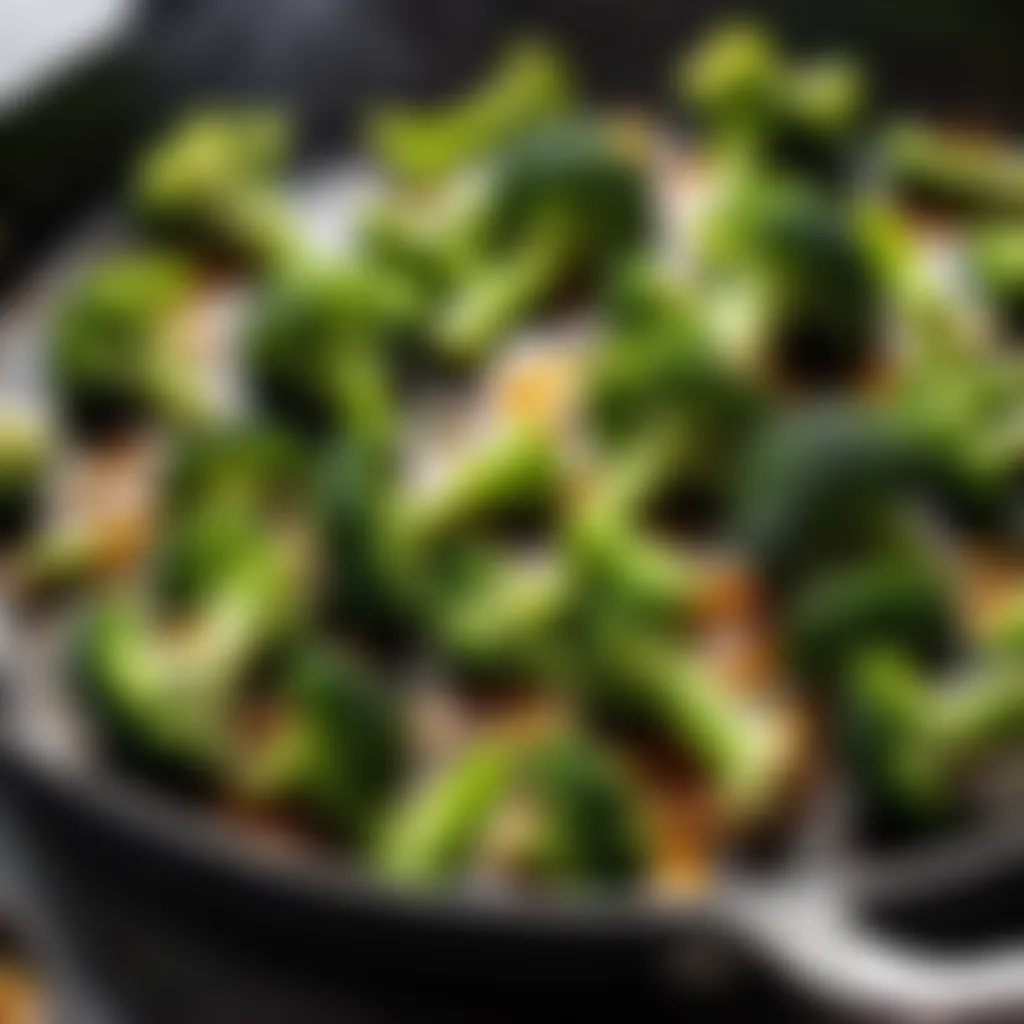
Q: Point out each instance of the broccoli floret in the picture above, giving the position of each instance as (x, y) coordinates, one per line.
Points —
(432, 834)
(824, 487)
(118, 355)
(529, 85)
(591, 832)
(801, 117)
(581, 822)
(955, 173)
(913, 746)
(493, 619)
(964, 419)
(565, 204)
(792, 259)
(892, 603)
(241, 465)
(673, 387)
(337, 748)
(25, 455)
(317, 344)
(207, 184)
(647, 680)
(513, 478)
(997, 259)
(367, 576)
(164, 678)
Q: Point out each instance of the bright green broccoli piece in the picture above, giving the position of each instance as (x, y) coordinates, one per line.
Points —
(591, 832)
(529, 85)
(165, 679)
(579, 821)
(494, 618)
(118, 352)
(963, 417)
(208, 184)
(913, 746)
(25, 455)
(928, 166)
(757, 105)
(431, 835)
(997, 261)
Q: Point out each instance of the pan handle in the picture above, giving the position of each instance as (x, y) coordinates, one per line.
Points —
(813, 933)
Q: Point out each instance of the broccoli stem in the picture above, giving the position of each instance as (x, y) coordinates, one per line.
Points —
(432, 835)
(504, 290)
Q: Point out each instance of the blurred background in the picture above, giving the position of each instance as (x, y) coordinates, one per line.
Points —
(82, 84)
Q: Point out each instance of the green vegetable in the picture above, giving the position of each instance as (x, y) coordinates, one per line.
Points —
(165, 679)
(565, 204)
(529, 85)
(888, 602)
(337, 750)
(25, 455)
(997, 259)
(208, 184)
(824, 487)
(791, 258)
(914, 747)
(118, 352)
(953, 172)
(800, 117)
(432, 834)
(317, 345)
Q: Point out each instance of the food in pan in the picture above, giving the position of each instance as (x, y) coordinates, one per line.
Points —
(613, 486)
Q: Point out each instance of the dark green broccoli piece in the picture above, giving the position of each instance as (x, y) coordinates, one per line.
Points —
(963, 417)
(367, 577)
(824, 487)
(672, 386)
(580, 823)
(529, 85)
(790, 257)
(252, 466)
(955, 173)
(317, 345)
(24, 460)
(591, 832)
(336, 748)
(997, 260)
(564, 205)
(913, 747)
(164, 678)
(208, 184)
(892, 603)
(118, 352)
(800, 117)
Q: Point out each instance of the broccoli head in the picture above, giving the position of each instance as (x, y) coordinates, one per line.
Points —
(118, 355)
(528, 86)
(207, 184)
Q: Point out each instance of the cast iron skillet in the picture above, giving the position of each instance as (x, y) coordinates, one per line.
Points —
(819, 917)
